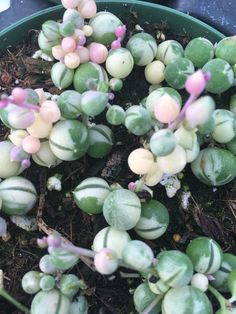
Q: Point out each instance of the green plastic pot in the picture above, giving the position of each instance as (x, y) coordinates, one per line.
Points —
(178, 22)
(55, 1)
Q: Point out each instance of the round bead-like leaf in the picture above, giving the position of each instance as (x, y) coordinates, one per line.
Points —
(88, 73)
(62, 76)
(143, 48)
(186, 300)
(46, 265)
(199, 50)
(225, 126)
(122, 209)
(69, 140)
(169, 50)
(222, 75)
(47, 283)
(154, 220)
(177, 72)
(214, 166)
(138, 120)
(205, 254)
(221, 276)
(8, 168)
(53, 300)
(69, 285)
(162, 142)
(232, 282)
(157, 94)
(18, 195)
(50, 29)
(115, 115)
(111, 238)
(174, 162)
(45, 157)
(138, 255)
(225, 49)
(104, 25)
(46, 44)
(174, 268)
(31, 282)
(119, 63)
(93, 102)
(69, 104)
(101, 141)
(90, 195)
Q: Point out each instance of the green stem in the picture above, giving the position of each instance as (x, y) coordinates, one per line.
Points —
(85, 119)
(232, 299)
(10, 299)
(139, 186)
(219, 297)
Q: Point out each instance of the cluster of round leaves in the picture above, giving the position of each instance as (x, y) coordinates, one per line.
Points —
(65, 40)
(170, 147)
(167, 61)
(173, 282)
(180, 279)
(54, 290)
(170, 274)
(122, 208)
(39, 133)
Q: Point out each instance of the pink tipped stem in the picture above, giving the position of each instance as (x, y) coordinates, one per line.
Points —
(3, 103)
(8, 101)
(192, 97)
(111, 96)
(26, 163)
(77, 250)
(131, 186)
(55, 240)
(81, 41)
(42, 243)
(29, 106)
(116, 44)
(120, 31)
(173, 125)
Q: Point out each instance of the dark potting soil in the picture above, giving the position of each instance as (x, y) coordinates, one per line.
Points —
(211, 212)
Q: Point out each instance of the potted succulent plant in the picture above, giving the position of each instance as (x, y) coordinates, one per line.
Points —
(96, 53)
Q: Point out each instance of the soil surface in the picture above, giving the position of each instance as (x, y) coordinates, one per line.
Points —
(210, 212)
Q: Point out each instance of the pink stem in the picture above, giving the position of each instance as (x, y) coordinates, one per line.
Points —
(28, 106)
(23, 105)
(176, 122)
(77, 250)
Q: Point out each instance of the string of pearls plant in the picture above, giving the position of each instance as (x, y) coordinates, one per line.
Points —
(91, 65)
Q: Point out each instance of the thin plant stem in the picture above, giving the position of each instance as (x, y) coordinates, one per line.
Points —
(173, 125)
(9, 298)
(232, 299)
(152, 304)
(219, 298)
(77, 250)
(24, 105)
(29, 106)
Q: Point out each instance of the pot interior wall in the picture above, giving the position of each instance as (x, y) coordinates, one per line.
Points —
(179, 22)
